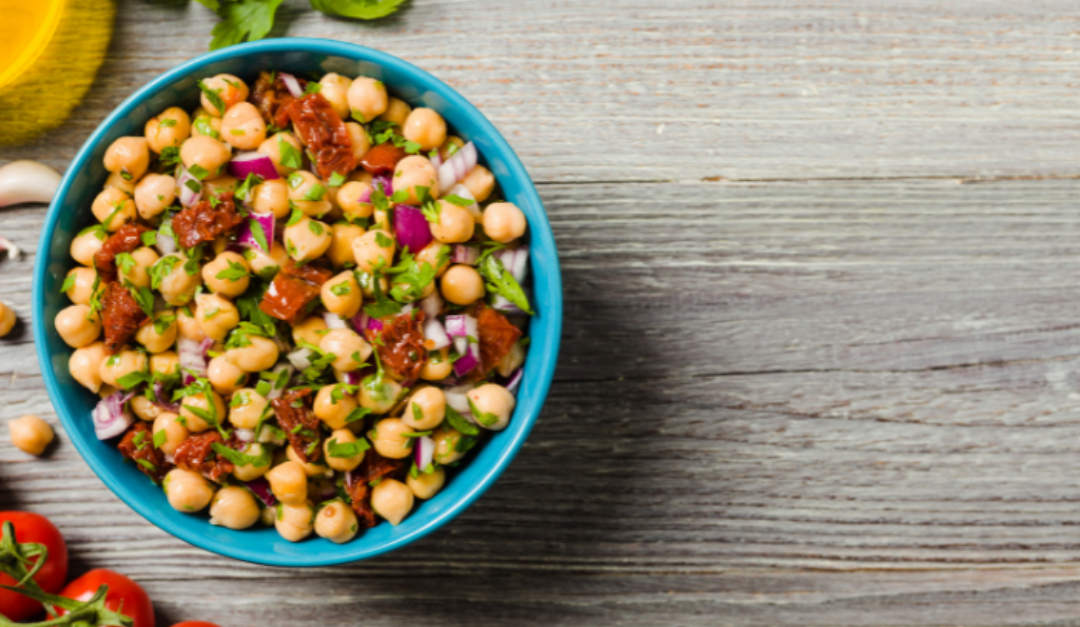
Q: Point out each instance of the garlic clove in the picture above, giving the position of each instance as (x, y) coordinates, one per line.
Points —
(27, 181)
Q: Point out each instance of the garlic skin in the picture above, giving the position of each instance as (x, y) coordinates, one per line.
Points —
(27, 181)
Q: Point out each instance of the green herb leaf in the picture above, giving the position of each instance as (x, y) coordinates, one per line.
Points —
(170, 157)
(315, 227)
(290, 156)
(502, 282)
(205, 127)
(213, 96)
(345, 450)
(233, 273)
(458, 423)
(69, 284)
(341, 289)
(161, 437)
(242, 459)
(359, 9)
(198, 171)
(145, 298)
(243, 192)
(312, 88)
(243, 19)
(336, 180)
(149, 238)
(454, 199)
(259, 234)
(166, 123)
(295, 217)
(125, 262)
(383, 306)
(132, 379)
(316, 193)
(162, 269)
(357, 414)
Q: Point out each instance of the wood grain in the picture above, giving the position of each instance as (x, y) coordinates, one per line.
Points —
(839, 392)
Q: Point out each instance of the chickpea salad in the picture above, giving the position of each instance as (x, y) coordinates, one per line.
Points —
(300, 304)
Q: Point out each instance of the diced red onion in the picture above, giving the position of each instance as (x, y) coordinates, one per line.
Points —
(515, 380)
(383, 182)
(350, 378)
(163, 400)
(432, 304)
(463, 192)
(457, 167)
(467, 362)
(255, 163)
(406, 308)
(275, 390)
(349, 479)
(8, 245)
(503, 304)
(261, 488)
(300, 358)
(456, 397)
(375, 325)
(292, 84)
(424, 452)
(246, 238)
(188, 196)
(244, 435)
(192, 356)
(166, 245)
(411, 228)
(334, 321)
(359, 322)
(461, 327)
(435, 336)
(111, 415)
(436, 159)
(516, 262)
(467, 255)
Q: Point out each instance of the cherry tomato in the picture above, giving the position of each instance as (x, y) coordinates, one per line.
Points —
(125, 596)
(37, 529)
(195, 623)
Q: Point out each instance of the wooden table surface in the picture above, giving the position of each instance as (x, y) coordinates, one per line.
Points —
(821, 360)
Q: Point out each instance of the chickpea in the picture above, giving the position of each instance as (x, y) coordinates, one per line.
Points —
(480, 183)
(243, 126)
(367, 99)
(392, 500)
(451, 140)
(120, 183)
(416, 171)
(425, 127)
(206, 154)
(492, 405)
(427, 484)
(234, 507)
(137, 273)
(198, 402)
(113, 208)
(30, 434)
(144, 408)
(187, 491)
(271, 197)
(308, 193)
(153, 194)
(225, 376)
(288, 482)
(188, 325)
(81, 282)
(307, 239)
(283, 149)
(129, 157)
(311, 330)
(78, 325)
(504, 222)
(348, 198)
(178, 285)
(397, 111)
(167, 363)
(205, 125)
(295, 522)
(367, 284)
(335, 88)
(336, 522)
(352, 351)
(169, 128)
(216, 187)
(160, 335)
(373, 249)
(334, 411)
(261, 354)
(437, 255)
(175, 433)
(85, 365)
(230, 90)
(264, 265)
(337, 462)
(379, 394)
(462, 285)
(342, 236)
(438, 365)
(216, 316)
(246, 408)
(388, 440)
(455, 224)
(228, 274)
(425, 410)
(447, 443)
(341, 295)
(85, 245)
(314, 470)
(7, 319)
(359, 139)
(123, 363)
(250, 472)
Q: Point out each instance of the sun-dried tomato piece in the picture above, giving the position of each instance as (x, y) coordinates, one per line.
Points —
(197, 455)
(322, 131)
(205, 220)
(382, 159)
(293, 291)
(373, 467)
(121, 317)
(138, 446)
(401, 344)
(496, 336)
(312, 272)
(299, 422)
(271, 97)
(126, 239)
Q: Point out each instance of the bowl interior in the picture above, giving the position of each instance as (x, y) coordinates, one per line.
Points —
(70, 212)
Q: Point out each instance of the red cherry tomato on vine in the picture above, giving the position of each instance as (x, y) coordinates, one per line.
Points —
(195, 623)
(37, 529)
(125, 596)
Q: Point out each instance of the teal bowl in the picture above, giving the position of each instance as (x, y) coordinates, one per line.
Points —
(70, 212)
